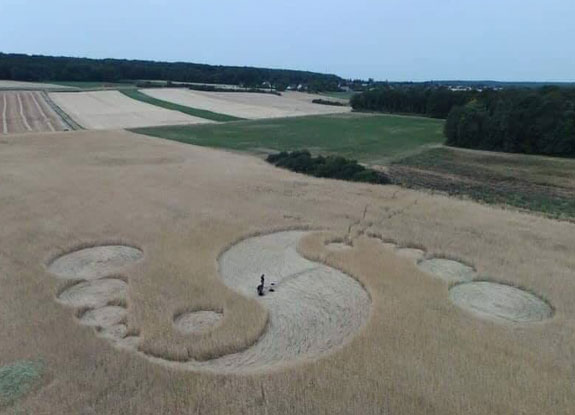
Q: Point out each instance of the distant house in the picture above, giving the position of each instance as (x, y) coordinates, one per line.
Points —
(460, 88)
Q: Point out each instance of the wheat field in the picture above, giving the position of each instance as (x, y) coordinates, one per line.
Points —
(183, 206)
(248, 105)
(101, 110)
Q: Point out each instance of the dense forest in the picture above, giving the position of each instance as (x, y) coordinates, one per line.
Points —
(518, 120)
(540, 121)
(21, 67)
(416, 99)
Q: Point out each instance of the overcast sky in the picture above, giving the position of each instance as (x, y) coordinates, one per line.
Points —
(512, 40)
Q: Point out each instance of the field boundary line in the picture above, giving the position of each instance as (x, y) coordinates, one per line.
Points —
(64, 117)
(46, 119)
(22, 113)
(4, 121)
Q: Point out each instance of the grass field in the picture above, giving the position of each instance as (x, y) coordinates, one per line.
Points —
(536, 183)
(209, 115)
(367, 138)
(17, 379)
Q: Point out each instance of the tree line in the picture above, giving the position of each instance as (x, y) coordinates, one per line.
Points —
(36, 68)
(518, 120)
(540, 121)
(334, 167)
(424, 100)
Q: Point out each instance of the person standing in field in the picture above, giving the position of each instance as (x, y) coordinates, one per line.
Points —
(261, 286)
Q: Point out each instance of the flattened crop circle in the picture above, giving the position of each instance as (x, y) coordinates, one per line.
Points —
(500, 302)
(448, 270)
(104, 317)
(94, 294)
(197, 321)
(94, 263)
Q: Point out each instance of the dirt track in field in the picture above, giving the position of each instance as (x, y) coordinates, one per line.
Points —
(26, 112)
(247, 105)
(103, 110)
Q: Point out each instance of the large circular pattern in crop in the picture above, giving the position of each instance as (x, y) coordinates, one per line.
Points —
(95, 294)
(96, 262)
(312, 308)
(447, 270)
(500, 302)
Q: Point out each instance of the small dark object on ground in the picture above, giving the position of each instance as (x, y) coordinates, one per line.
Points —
(260, 287)
(334, 167)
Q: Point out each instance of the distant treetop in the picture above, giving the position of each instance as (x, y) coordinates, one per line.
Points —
(37, 68)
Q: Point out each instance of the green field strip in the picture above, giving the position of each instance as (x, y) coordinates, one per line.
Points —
(208, 115)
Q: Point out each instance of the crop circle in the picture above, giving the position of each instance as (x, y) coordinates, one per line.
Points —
(500, 302)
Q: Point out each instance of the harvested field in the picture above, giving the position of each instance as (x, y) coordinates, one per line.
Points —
(209, 115)
(291, 104)
(21, 85)
(416, 352)
(537, 183)
(112, 110)
(246, 105)
(23, 112)
(93, 86)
